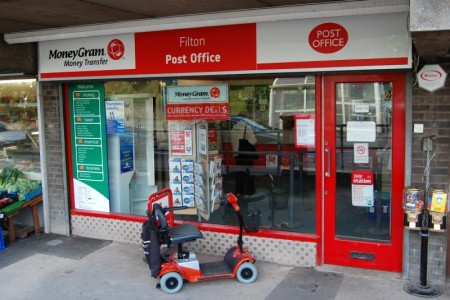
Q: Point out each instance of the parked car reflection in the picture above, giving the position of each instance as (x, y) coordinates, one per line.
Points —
(264, 133)
(10, 135)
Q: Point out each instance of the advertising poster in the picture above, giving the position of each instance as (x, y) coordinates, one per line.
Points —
(212, 140)
(126, 154)
(88, 139)
(362, 188)
(202, 147)
(115, 117)
(206, 102)
(181, 139)
(305, 130)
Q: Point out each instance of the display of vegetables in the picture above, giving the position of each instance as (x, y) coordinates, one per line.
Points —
(9, 175)
(14, 181)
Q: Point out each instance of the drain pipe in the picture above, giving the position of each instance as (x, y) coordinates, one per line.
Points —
(43, 159)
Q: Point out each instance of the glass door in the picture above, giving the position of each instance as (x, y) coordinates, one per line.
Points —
(364, 125)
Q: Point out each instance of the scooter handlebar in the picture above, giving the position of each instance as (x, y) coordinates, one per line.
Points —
(232, 200)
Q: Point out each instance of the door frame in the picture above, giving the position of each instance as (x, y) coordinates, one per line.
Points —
(388, 256)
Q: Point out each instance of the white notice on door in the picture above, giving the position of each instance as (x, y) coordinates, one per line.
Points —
(361, 131)
(361, 153)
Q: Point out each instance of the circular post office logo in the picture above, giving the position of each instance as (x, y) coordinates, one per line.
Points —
(328, 38)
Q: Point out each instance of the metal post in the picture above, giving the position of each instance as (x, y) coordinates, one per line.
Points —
(423, 256)
(423, 289)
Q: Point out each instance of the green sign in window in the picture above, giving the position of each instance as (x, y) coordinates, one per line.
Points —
(89, 152)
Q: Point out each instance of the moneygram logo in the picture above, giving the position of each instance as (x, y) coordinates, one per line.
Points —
(214, 92)
(116, 49)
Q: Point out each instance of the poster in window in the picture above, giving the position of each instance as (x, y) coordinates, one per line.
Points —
(88, 141)
(181, 139)
(304, 130)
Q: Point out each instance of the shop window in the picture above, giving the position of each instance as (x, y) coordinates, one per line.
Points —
(283, 175)
(19, 135)
(142, 137)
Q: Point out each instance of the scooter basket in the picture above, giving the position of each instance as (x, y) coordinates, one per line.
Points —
(251, 219)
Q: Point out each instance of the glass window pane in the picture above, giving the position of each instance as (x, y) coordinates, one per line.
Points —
(19, 135)
(283, 175)
(363, 103)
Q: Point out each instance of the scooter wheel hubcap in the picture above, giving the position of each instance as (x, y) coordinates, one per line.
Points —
(247, 273)
(172, 283)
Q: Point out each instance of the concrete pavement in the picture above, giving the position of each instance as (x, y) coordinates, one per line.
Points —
(60, 267)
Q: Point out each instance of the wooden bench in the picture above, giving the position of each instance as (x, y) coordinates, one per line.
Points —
(33, 205)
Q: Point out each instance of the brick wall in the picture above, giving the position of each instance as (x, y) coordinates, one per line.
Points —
(10, 61)
(432, 110)
(52, 111)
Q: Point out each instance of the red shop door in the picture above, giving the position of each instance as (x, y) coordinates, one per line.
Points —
(363, 154)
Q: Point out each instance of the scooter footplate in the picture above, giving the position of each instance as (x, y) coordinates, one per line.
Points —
(214, 268)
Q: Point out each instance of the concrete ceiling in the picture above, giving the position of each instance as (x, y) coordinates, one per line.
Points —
(29, 15)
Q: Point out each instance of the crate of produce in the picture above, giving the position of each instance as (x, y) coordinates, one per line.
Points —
(2, 240)
(32, 194)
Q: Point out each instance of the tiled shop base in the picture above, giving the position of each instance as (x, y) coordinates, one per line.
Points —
(300, 254)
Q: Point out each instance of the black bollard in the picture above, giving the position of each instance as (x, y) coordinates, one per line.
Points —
(423, 257)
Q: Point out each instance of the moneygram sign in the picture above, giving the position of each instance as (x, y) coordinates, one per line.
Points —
(206, 102)
(91, 54)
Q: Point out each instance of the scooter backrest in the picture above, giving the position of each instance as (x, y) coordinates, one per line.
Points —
(160, 215)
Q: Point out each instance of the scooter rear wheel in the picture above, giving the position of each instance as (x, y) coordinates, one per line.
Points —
(247, 272)
(171, 282)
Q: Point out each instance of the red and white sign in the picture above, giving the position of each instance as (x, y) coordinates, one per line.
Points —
(431, 77)
(305, 130)
(80, 57)
(206, 102)
(316, 44)
(328, 38)
(181, 142)
(362, 188)
(198, 111)
(335, 43)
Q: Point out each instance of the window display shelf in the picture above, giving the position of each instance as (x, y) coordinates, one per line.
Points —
(19, 104)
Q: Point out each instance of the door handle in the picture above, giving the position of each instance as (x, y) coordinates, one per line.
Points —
(327, 157)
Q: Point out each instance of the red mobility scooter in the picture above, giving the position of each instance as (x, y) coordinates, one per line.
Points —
(159, 234)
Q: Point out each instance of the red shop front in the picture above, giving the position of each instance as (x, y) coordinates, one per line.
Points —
(324, 97)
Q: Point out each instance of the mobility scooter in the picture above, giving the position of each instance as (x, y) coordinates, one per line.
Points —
(159, 234)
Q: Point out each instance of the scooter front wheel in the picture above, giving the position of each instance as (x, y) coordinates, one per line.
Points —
(247, 272)
(171, 282)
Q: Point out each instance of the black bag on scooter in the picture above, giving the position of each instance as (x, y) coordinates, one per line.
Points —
(150, 244)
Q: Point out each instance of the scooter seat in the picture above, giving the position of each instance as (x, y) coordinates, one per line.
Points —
(184, 233)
